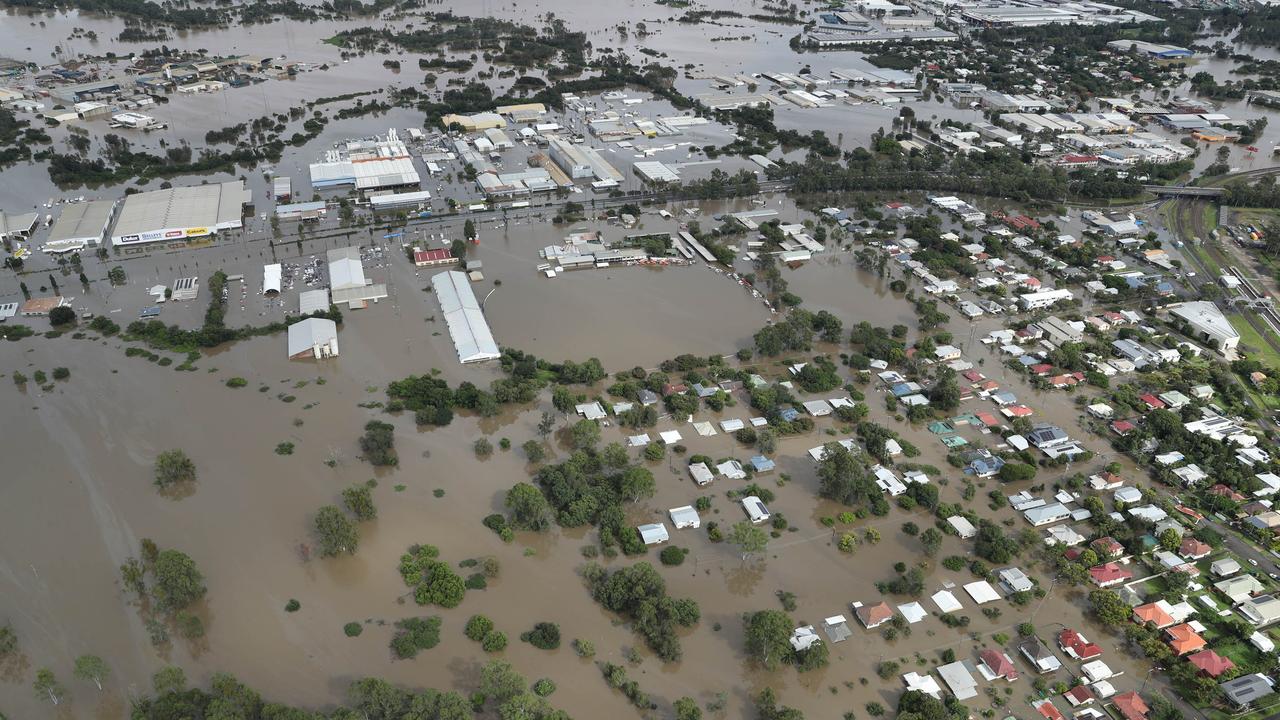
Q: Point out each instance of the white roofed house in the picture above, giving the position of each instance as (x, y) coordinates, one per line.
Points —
(653, 533)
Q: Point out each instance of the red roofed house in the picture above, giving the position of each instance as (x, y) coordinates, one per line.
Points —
(1017, 411)
(1047, 709)
(1077, 646)
(1131, 706)
(1193, 549)
(669, 389)
(1079, 695)
(1152, 401)
(1109, 574)
(973, 376)
(998, 664)
(437, 256)
(1107, 547)
(1122, 427)
(1223, 491)
(1152, 613)
(1041, 369)
(874, 615)
(1183, 639)
(1210, 663)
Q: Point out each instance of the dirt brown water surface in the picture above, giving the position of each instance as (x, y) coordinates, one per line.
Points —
(77, 499)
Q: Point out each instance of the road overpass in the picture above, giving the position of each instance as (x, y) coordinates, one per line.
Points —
(1184, 191)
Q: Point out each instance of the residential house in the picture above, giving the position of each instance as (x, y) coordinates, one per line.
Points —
(873, 616)
(1247, 689)
(1239, 588)
(1109, 574)
(1014, 580)
(1077, 646)
(1153, 613)
(1184, 639)
(1107, 547)
(1210, 663)
(997, 664)
(1078, 695)
(1039, 655)
(1193, 549)
(1261, 611)
(1130, 706)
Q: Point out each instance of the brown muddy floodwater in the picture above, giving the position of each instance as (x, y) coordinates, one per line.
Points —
(77, 498)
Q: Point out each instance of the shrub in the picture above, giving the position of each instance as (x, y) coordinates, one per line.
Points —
(483, 448)
(544, 687)
(495, 641)
(544, 636)
(284, 448)
(353, 629)
(236, 382)
(414, 635)
(477, 627)
(672, 556)
(292, 606)
(61, 373)
(584, 648)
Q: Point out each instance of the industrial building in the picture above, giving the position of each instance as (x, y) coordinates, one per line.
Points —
(17, 227)
(313, 301)
(135, 121)
(467, 325)
(347, 282)
(381, 163)
(1159, 52)
(271, 279)
(313, 338)
(1209, 324)
(473, 123)
(655, 172)
(582, 162)
(80, 225)
(417, 200)
(180, 213)
(306, 211)
(282, 189)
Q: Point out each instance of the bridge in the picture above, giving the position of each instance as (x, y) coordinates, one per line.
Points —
(1184, 191)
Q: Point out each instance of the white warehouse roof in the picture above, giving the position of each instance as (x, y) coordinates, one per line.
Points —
(467, 326)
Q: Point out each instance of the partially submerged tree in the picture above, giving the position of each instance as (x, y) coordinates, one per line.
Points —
(172, 467)
(336, 532)
(92, 668)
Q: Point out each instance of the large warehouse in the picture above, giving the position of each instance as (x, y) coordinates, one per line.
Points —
(80, 225)
(178, 213)
(368, 165)
(467, 326)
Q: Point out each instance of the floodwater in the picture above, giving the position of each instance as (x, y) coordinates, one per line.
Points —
(82, 482)
(76, 498)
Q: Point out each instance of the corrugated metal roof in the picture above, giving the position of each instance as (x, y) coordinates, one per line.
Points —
(467, 324)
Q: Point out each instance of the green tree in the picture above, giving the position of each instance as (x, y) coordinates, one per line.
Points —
(8, 640)
(687, 709)
(636, 483)
(47, 686)
(500, 682)
(335, 531)
(931, 538)
(1017, 472)
(1109, 608)
(62, 315)
(1170, 540)
(469, 230)
(529, 508)
(534, 451)
(173, 466)
(92, 668)
(169, 679)
(178, 581)
(359, 500)
(585, 434)
(749, 538)
(945, 393)
(842, 477)
(768, 637)
(378, 443)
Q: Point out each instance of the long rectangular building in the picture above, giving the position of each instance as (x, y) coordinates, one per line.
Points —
(80, 225)
(180, 213)
(467, 325)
